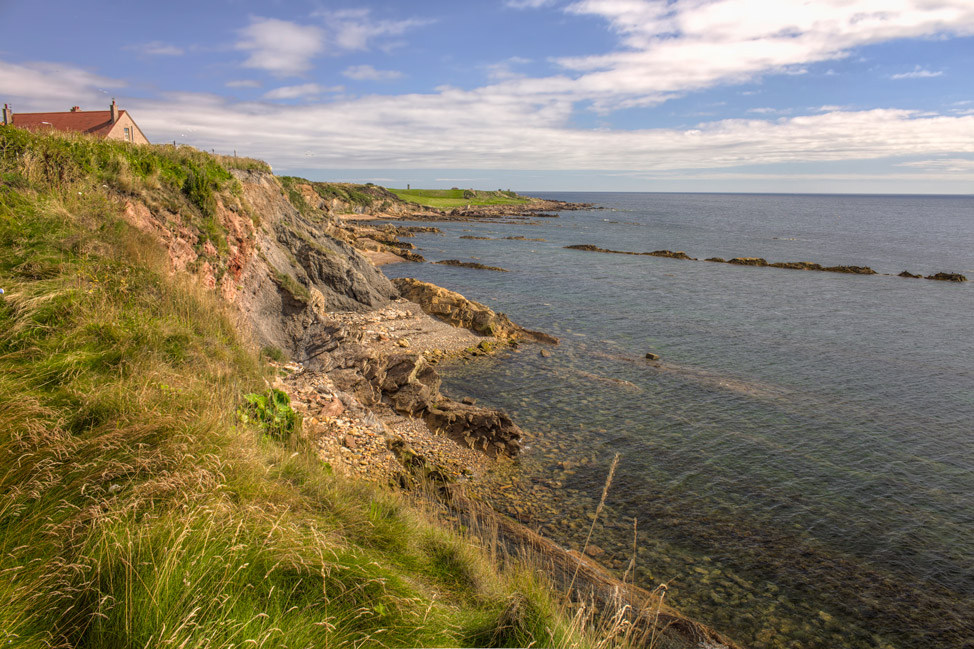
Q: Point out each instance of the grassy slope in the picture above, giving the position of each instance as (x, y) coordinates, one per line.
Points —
(450, 198)
(136, 510)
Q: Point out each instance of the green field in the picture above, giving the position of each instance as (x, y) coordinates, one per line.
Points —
(450, 198)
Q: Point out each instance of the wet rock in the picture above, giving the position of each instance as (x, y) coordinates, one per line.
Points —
(670, 254)
(470, 401)
(855, 270)
(797, 265)
(748, 261)
(651, 356)
(948, 277)
(907, 273)
(470, 264)
(410, 256)
(720, 260)
(483, 429)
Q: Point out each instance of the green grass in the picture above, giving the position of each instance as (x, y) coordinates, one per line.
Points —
(450, 198)
(350, 194)
(137, 509)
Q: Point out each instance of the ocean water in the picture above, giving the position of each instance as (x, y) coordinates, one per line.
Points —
(799, 467)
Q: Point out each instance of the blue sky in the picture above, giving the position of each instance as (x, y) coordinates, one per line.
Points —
(873, 96)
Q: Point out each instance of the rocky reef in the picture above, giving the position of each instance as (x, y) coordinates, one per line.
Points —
(679, 254)
(761, 262)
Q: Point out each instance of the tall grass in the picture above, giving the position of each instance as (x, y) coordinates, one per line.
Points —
(136, 510)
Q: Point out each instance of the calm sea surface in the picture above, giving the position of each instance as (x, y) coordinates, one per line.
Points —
(800, 465)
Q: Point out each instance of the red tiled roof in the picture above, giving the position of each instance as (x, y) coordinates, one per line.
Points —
(97, 122)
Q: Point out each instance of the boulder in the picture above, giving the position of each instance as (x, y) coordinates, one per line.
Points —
(490, 431)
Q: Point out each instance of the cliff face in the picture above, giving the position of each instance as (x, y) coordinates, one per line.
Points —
(282, 269)
(299, 270)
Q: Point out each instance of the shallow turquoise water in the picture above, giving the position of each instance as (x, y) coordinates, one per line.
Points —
(801, 465)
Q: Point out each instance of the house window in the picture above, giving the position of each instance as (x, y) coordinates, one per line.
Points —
(128, 134)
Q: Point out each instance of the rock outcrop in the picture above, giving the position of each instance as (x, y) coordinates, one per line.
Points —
(301, 268)
(457, 310)
(948, 277)
(410, 385)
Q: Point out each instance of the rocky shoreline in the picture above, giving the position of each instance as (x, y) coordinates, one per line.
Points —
(372, 407)
(305, 284)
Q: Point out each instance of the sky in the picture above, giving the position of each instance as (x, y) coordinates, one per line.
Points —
(823, 96)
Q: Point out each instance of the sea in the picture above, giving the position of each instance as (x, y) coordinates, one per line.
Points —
(797, 469)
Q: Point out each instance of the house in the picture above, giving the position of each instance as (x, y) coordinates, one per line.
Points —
(113, 123)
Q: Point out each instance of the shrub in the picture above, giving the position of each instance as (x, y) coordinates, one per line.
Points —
(271, 413)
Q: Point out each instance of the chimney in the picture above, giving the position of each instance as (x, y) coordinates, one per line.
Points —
(114, 112)
(8, 115)
(75, 109)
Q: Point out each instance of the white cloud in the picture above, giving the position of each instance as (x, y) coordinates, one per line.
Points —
(157, 48)
(458, 129)
(917, 73)
(355, 29)
(683, 45)
(369, 73)
(302, 90)
(943, 165)
(280, 47)
(243, 83)
(504, 70)
(44, 86)
(487, 129)
(528, 4)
